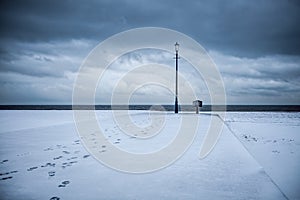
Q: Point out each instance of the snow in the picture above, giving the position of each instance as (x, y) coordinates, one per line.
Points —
(273, 139)
(42, 157)
(12, 120)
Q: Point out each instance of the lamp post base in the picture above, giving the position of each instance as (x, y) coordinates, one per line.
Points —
(176, 105)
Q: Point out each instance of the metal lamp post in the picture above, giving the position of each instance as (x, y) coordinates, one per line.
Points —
(176, 84)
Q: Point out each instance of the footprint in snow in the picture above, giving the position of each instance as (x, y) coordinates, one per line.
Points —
(48, 149)
(56, 158)
(66, 152)
(48, 165)
(64, 184)
(5, 178)
(3, 161)
(51, 173)
(86, 156)
(32, 168)
(54, 198)
(72, 158)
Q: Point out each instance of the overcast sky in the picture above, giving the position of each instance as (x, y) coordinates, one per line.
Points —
(255, 45)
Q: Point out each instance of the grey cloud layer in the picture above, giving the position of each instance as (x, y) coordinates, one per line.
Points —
(256, 44)
(245, 28)
(266, 80)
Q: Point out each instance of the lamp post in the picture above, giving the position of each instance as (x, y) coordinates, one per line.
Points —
(176, 84)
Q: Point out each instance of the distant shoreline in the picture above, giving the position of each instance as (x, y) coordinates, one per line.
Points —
(229, 108)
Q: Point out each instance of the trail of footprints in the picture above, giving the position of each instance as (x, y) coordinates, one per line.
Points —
(7, 175)
(65, 160)
(285, 141)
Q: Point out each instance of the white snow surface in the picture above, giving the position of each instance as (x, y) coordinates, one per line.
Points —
(273, 138)
(41, 157)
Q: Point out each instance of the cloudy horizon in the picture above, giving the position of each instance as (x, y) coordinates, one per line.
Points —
(255, 45)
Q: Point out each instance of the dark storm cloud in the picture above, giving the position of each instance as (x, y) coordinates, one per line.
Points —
(58, 20)
(53, 20)
(244, 28)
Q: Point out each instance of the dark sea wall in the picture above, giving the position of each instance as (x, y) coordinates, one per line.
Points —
(230, 108)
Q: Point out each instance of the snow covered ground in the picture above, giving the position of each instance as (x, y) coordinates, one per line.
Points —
(273, 138)
(256, 157)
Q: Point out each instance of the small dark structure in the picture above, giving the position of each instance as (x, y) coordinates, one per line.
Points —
(197, 104)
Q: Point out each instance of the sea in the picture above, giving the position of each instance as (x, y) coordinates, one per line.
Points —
(205, 108)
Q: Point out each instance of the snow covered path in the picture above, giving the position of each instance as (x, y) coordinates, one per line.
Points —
(41, 157)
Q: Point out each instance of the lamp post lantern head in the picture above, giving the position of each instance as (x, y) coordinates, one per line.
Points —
(176, 46)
